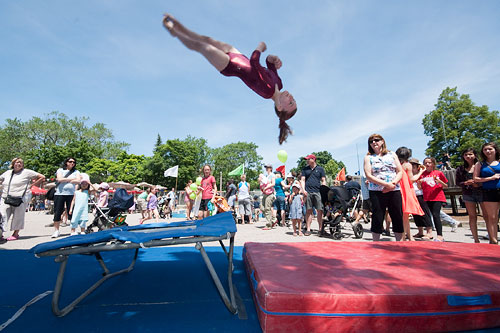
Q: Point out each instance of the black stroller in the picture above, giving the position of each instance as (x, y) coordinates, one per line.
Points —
(338, 206)
(164, 209)
(110, 217)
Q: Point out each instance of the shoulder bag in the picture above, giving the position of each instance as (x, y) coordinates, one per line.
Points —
(11, 200)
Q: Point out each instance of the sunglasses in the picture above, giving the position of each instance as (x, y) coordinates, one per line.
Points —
(374, 140)
(71, 162)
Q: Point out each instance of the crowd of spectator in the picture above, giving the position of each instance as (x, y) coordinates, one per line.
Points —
(395, 190)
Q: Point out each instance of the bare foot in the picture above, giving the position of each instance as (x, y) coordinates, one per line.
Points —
(168, 23)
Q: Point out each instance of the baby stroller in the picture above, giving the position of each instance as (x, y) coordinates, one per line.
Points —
(338, 205)
(164, 209)
(110, 217)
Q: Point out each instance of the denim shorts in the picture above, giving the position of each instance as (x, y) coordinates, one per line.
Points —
(279, 203)
(475, 196)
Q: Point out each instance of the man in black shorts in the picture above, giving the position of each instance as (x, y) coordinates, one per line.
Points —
(313, 176)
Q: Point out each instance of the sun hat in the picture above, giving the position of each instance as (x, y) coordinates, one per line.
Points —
(104, 186)
(413, 160)
(85, 178)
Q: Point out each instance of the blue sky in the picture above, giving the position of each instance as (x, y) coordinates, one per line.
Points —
(354, 67)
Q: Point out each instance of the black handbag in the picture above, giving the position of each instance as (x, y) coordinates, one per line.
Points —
(50, 193)
(14, 201)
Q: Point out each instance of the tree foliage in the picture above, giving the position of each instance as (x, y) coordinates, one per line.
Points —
(127, 167)
(324, 159)
(229, 157)
(456, 124)
(189, 154)
(45, 142)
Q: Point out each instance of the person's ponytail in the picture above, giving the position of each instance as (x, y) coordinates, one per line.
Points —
(285, 130)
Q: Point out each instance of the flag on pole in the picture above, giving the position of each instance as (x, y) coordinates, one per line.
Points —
(172, 172)
(341, 175)
(238, 171)
(282, 170)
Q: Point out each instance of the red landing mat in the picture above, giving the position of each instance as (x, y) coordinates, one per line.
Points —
(374, 287)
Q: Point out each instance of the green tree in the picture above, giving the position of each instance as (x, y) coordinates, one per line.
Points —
(128, 168)
(324, 159)
(456, 123)
(189, 154)
(158, 143)
(229, 157)
(45, 142)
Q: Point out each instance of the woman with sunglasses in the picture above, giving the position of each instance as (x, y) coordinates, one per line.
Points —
(67, 178)
(383, 171)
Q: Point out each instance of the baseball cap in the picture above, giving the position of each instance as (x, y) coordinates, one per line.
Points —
(268, 166)
(310, 156)
(104, 186)
(296, 185)
(289, 175)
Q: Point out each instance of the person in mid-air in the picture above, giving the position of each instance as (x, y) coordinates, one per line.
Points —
(230, 62)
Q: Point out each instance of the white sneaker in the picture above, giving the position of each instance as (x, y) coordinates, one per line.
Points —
(55, 234)
(74, 233)
(454, 228)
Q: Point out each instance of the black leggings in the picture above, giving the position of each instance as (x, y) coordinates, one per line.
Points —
(386, 201)
(423, 221)
(435, 208)
(59, 202)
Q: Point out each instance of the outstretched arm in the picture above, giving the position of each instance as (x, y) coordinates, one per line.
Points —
(275, 60)
(262, 47)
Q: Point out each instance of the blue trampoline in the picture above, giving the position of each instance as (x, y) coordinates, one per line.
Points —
(215, 228)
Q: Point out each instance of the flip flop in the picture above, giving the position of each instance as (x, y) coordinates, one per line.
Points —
(425, 238)
(418, 236)
(12, 238)
(266, 228)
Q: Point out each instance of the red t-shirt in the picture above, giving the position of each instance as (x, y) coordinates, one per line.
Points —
(208, 187)
(433, 191)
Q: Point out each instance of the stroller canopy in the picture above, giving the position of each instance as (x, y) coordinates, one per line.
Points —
(121, 201)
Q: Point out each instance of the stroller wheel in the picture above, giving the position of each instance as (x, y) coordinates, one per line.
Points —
(358, 230)
(337, 235)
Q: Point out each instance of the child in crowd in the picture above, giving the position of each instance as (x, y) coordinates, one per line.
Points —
(152, 206)
(256, 208)
(296, 203)
(79, 210)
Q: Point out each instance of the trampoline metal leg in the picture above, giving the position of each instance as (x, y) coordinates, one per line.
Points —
(230, 304)
(60, 278)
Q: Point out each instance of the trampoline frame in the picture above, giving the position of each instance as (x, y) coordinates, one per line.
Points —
(233, 303)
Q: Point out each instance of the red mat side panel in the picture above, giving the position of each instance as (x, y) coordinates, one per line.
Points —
(369, 287)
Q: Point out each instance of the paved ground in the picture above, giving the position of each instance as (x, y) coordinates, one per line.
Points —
(35, 232)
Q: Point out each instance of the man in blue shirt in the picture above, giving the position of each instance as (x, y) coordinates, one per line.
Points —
(313, 176)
